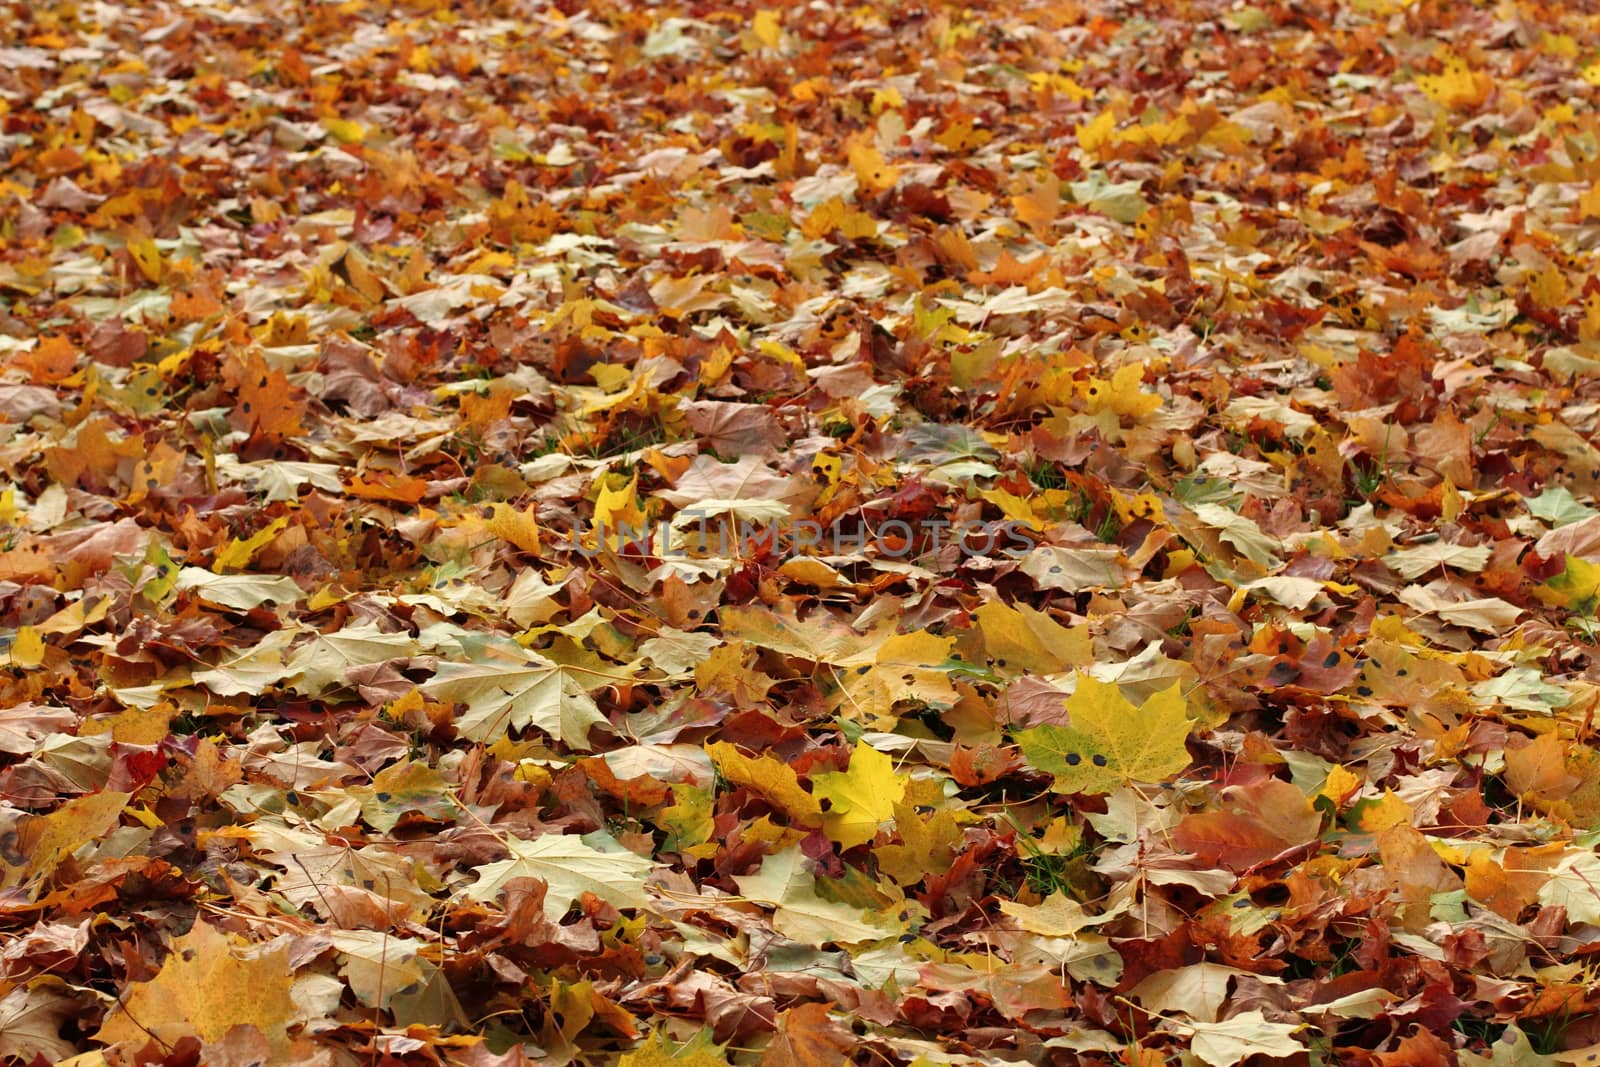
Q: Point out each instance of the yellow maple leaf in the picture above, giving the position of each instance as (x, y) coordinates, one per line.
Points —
(204, 990)
(1110, 741)
(617, 511)
(1589, 201)
(1096, 132)
(1021, 638)
(1018, 509)
(520, 529)
(345, 131)
(1589, 326)
(927, 845)
(145, 256)
(1549, 287)
(963, 135)
(659, 1052)
(904, 667)
(769, 777)
(1341, 783)
(236, 554)
(860, 799)
(1057, 915)
(873, 172)
(1376, 814)
(1121, 395)
(46, 840)
(767, 27)
(835, 214)
(27, 648)
(1458, 87)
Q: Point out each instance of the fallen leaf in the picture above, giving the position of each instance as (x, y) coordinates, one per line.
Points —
(1110, 741)
(856, 802)
(569, 866)
(1242, 1036)
(204, 988)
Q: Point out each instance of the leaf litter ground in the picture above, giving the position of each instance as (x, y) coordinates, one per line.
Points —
(1196, 403)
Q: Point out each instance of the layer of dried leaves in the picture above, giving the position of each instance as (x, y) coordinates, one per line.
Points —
(334, 731)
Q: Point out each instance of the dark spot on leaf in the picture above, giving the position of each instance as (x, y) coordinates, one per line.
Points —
(1073, 759)
(1282, 673)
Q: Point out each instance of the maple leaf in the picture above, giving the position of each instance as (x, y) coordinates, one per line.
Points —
(236, 554)
(204, 989)
(926, 845)
(569, 866)
(1574, 884)
(27, 648)
(46, 840)
(1110, 741)
(785, 883)
(400, 789)
(324, 662)
(239, 591)
(1576, 588)
(31, 1018)
(1014, 991)
(860, 799)
(1458, 87)
(872, 171)
(1021, 638)
(269, 406)
(1056, 916)
(809, 1037)
(659, 1051)
(514, 696)
(1242, 1036)
(771, 778)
